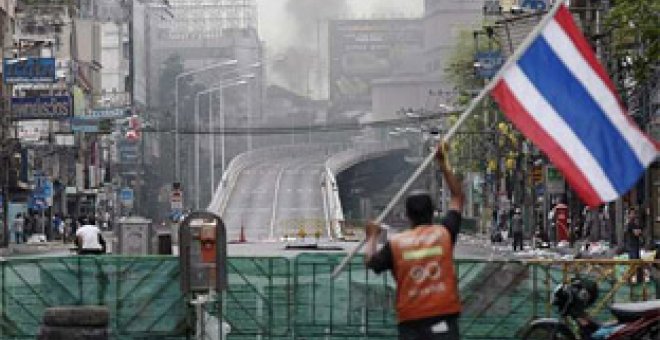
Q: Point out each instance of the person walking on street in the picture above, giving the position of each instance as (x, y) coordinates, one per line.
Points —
(633, 239)
(18, 226)
(421, 261)
(633, 236)
(89, 239)
(517, 229)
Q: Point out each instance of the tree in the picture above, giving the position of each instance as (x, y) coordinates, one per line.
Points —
(474, 133)
(634, 51)
(635, 33)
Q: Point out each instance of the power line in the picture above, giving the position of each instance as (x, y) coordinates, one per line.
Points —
(335, 127)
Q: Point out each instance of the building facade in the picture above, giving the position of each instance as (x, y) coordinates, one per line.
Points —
(361, 51)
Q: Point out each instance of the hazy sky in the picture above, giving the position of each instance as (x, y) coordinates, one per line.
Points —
(273, 17)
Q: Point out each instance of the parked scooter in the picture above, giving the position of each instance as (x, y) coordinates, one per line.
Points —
(635, 320)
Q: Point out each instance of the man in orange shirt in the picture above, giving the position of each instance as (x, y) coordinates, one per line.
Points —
(421, 261)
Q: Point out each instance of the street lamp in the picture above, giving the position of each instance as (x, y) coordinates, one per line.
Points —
(240, 80)
(177, 151)
(249, 96)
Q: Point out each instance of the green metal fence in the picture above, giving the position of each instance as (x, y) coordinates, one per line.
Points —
(141, 293)
(288, 298)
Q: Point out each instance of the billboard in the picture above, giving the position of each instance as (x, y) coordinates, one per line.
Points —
(364, 50)
(28, 70)
(45, 107)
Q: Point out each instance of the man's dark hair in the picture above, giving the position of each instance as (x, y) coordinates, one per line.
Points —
(419, 208)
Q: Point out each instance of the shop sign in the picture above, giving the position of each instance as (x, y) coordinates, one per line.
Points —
(45, 107)
(28, 70)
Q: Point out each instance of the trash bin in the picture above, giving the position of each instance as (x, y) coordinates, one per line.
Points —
(134, 234)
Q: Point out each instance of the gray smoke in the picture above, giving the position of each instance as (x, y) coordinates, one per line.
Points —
(306, 14)
(298, 64)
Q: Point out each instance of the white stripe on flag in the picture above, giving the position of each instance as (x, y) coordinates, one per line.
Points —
(545, 115)
(567, 52)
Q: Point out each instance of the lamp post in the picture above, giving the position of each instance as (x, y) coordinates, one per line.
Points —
(221, 85)
(249, 99)
(177, 151)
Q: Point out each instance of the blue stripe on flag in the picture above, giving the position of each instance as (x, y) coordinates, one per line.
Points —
(573, 103)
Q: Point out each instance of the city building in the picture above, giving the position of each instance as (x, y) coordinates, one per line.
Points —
(197, 35)
(8, 142)
(361, 51)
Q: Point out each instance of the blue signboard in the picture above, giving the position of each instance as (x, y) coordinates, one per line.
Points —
(28, 70)
(489, 63)
(46, 107)
(128, 152)
(84, 125)
(42, 192)
(126, 196)
(539, 5)
(107, 113)
(37, 203)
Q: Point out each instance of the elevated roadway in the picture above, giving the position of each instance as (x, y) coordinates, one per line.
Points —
(272, 197)
(269, 194)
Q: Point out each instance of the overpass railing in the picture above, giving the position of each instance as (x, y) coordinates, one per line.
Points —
(241, 162)
(294, 298)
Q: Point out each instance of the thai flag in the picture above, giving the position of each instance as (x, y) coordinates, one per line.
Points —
(561, 98)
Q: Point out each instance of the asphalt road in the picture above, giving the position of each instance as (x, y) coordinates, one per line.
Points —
(274, 198)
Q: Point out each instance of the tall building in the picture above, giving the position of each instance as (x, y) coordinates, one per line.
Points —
(198, 34)
(425, 87)
(443, 21)
(364, 50)
(8, 143)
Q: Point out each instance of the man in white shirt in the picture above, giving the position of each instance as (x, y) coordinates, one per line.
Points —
(89, 239)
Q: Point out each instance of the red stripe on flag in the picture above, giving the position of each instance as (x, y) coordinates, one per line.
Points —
(566, 22)
(532, 130)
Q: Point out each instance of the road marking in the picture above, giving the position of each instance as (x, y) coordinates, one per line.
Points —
(275, 199)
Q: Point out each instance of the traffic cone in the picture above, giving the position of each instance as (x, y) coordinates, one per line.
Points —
(241, 237)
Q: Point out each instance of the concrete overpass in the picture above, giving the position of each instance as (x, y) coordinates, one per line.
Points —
(272, 192)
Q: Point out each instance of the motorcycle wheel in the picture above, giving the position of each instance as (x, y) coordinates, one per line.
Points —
(547, 332)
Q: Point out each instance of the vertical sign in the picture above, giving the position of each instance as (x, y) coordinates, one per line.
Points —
(554, 181)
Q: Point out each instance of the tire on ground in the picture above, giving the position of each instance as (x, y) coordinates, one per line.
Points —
(90, 316)
(72, 333)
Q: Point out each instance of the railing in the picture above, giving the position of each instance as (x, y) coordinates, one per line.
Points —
(294, 298)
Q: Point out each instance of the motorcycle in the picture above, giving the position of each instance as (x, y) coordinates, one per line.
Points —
(634, 320)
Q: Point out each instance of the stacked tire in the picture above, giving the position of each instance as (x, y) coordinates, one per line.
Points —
(75, 323)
